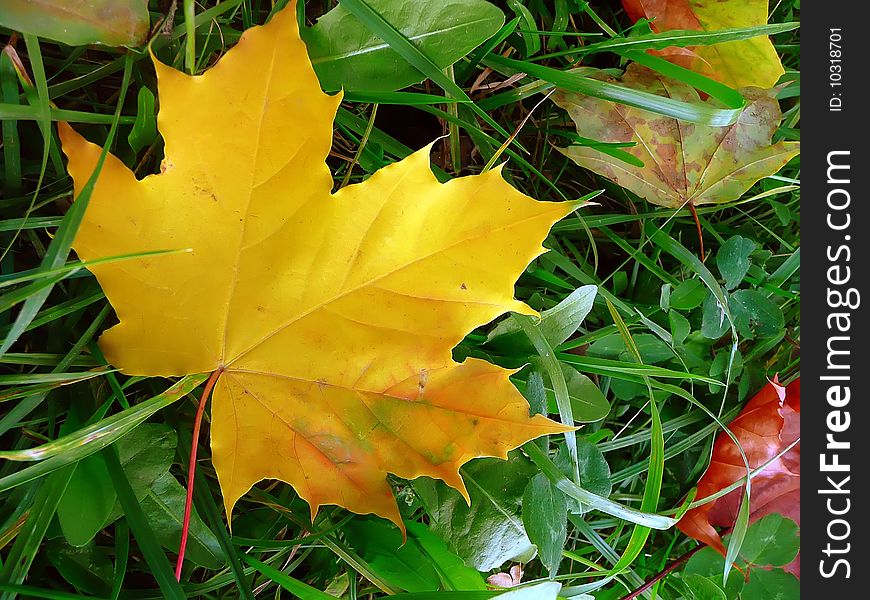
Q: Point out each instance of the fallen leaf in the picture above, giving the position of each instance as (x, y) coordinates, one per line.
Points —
(767, 425)
(80, 22)
(330, 317)
(682, 162)
(752, 62)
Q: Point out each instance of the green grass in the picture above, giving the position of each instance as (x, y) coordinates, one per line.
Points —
(656, 439)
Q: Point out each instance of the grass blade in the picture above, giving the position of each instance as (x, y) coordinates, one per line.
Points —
(297, 588)
(642, 517)
(211, 514)
(703, 114)
(60, 246)
(148, 544)
(23, 408)
(84, 442)
(560, 387)
(679, 38)
(30, 537)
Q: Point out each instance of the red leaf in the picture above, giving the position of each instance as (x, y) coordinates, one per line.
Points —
(740, 63)
(767, 424)
(665, 14)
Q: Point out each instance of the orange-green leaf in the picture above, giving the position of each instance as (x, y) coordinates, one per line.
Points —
(80, 22)
(682, 162)
(331, 316)
(752, 62)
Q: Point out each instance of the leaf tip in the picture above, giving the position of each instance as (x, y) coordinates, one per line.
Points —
(454, 480)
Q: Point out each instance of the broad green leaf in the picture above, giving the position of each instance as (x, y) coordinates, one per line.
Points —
(680, 327)
(490, 532)
(413, 266)
(146, 454)
(702, 588)
(588, 403)
(346, 55)
(710, 564)
(140, 527)
(454, 573)
(90, 493)
(163, 506)
(545, 516)
(628, 390)
(536, 393)
(772, 540)
(402, 565)
(79, 22)
(87, 501)
(688, 295)
(751, 62)
(720, 364)
(775, 584)
(714, 320)
(755, 315)
(87, 568)
(557, 323)
(594, 472)
(732, 259)
(683, 163)
(783, 212)
(652, 349)
(144, 129)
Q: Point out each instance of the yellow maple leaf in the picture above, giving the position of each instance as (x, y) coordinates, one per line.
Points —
(330, 317)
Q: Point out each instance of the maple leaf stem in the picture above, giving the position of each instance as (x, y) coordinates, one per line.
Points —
(694, 212)
(191, 469)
